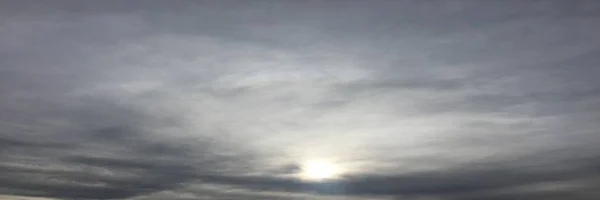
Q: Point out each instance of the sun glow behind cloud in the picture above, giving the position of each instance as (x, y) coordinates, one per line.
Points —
(319, 170)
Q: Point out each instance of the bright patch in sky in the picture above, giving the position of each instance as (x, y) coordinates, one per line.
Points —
(319, 170)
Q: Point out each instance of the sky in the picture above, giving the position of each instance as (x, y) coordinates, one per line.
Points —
(229, 100)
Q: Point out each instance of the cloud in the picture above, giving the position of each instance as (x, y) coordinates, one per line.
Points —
(225, 100)
(477, 178)
(58, 172)
(103, 152)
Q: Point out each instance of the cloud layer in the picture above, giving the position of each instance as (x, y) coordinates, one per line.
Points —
(144, 100)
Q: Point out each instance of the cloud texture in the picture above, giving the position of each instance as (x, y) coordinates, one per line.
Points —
(144, 100)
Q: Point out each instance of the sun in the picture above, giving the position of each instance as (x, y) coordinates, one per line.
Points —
(318, 170)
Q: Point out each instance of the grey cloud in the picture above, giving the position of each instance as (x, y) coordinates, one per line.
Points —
(225, 99)
(8, 143)
(75, 169)
(463, 181)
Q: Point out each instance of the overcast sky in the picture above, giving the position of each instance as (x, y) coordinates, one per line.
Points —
(225, 100)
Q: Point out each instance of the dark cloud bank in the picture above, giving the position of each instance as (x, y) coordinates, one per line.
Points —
(67, 133)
